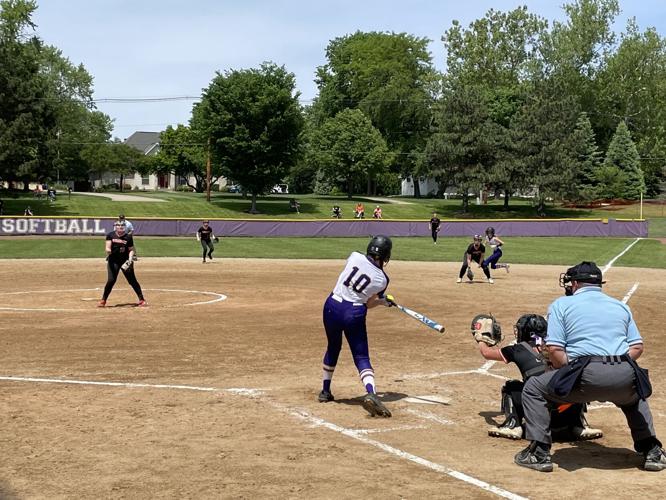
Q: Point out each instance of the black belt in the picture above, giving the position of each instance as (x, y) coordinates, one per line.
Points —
(608, 359)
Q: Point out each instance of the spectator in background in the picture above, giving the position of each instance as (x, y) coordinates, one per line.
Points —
(28, 211)
(129, 227)
(2, 206)
(336, 212)
(377, 214)
(359, 211)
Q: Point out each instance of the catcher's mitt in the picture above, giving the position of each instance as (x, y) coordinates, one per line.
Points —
(470, 274)
(486, 329)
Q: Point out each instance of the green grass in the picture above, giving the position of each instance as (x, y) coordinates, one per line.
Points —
(225, 205)
(558, 251)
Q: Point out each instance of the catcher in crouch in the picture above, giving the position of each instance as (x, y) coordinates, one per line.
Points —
(568, 420)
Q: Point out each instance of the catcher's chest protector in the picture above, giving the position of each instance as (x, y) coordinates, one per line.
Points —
(529, 362)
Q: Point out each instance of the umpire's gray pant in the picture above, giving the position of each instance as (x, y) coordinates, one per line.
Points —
(599, 382)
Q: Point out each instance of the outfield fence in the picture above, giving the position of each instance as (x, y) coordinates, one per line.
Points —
(66, 226)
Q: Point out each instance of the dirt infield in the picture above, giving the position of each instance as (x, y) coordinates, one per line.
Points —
(213, 395)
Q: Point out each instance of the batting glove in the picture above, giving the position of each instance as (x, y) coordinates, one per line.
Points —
(390, 301)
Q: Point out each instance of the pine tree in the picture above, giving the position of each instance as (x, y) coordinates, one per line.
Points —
(588, 160)
(623, 155)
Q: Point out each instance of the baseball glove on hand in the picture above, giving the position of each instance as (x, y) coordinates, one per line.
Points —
(485, 329)
(470, 274)
(216, 239)
(127, 264)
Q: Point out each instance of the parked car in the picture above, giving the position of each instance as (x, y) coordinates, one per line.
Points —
(280, 189)
(234, 188)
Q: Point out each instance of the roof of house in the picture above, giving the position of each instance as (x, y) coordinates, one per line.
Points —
(146, 142)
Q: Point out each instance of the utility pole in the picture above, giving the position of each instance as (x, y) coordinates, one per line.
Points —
(208, 173)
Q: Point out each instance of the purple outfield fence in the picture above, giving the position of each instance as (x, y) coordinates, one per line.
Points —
(14, 226)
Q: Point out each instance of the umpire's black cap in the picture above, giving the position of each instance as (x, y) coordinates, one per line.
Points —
(585, 272)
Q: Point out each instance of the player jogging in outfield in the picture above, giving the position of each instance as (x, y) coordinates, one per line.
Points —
(205, 236)
(474, 253)
(567, 420)
(495, 245)
(434, 227)
(119, 253)
(360, 286)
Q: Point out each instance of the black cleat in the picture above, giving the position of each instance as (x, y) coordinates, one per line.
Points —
(325, 397)
(655, 459)
(374, 406)
(535, 458)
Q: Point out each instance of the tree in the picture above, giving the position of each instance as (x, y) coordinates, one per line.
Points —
(347, 150)
(541, 132)
(183, 152)
(388, 76)
(461, 145)
(496, 54)
(588, 160)
(623, 155)
(115, 157)
(25, 114)
(254, 121)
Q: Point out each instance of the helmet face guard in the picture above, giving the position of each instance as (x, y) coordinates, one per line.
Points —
(531, 328)
(585, 272)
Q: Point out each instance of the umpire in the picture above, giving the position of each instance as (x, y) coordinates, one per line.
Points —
(593, 343)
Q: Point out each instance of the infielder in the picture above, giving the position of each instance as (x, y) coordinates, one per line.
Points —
(474, 253)
(119, 253)
(360, 286)
(567, 420)
(205, 236)
(434, 227)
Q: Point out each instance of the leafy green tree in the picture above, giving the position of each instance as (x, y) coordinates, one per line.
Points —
(496, 54)
(115, 157)
(388, 76)
(183, 152)
(25, 114)
(254, 121)
(542, 134)
(460, 148)
(623, 155)
(348, 150)
(588, 159)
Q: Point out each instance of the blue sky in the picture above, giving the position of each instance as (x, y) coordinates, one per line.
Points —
(164, 48)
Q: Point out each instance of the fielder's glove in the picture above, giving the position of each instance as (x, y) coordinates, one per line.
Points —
(134, 258)
(390, 301)
(485, 329)
(470, 274)
(126, 265)
(216, 239)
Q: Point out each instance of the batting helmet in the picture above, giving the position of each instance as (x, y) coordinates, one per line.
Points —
(477, 237)
(529, 327)
(490, 231)
(380, 246)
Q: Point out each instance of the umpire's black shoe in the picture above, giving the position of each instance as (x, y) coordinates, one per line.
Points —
(325, 397)
(374, 406)
(655, 459)
(535, 458)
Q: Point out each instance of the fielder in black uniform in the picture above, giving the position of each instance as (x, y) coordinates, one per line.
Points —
(119, 253)
(205, 236)
(568, 420)
(474, 253)
(434, 227)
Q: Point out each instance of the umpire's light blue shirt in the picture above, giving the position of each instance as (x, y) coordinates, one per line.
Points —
(590, 323)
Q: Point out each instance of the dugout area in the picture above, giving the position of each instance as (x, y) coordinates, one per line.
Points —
(218, 400)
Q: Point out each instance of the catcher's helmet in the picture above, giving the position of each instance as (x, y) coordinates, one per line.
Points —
(530, 327)
(380, 247)
(490, 231)
(585, 272)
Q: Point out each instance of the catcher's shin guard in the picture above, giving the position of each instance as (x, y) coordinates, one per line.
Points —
(512, 404)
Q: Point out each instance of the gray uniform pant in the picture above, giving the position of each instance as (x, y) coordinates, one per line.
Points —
(598, 382)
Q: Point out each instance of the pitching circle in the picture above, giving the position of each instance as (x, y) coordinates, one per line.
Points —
(216, 297)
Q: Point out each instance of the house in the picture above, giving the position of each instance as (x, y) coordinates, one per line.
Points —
(149, 144)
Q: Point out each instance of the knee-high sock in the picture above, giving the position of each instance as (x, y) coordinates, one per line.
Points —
(327, 377)
(368, 379)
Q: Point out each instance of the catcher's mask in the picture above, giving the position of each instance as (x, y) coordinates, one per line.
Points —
(531, 328)
(380, 246)
(585, 272)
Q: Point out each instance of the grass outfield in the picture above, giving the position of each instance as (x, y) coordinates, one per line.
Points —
(537, 250)
(226, 205)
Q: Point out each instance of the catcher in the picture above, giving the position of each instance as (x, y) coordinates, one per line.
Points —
(568, 420)
(474, 253)
(119, 253)
(206, 237)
